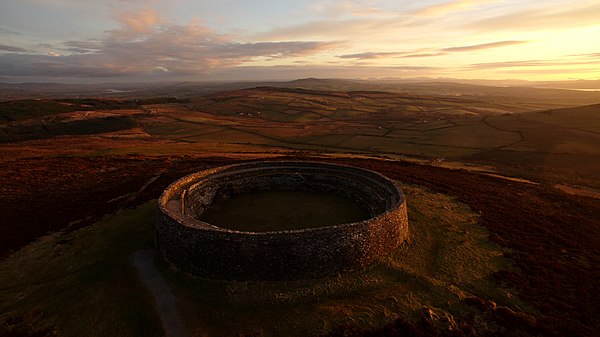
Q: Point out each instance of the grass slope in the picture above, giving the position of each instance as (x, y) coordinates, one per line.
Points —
(87, 274)
(81, 283)
(552, 239)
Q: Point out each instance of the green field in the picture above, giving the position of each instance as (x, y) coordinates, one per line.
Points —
(35, 108)
(504, 132)
(44, 130)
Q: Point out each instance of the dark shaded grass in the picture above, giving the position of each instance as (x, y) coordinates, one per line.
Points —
(81, 283)
(78, 127)
(38, 196)
(33, 108)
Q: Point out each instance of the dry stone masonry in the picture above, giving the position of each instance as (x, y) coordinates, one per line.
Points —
(205, 250)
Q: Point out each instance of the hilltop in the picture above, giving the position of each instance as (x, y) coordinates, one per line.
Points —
(501, 185)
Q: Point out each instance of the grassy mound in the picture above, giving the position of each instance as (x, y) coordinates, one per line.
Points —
(444, 274)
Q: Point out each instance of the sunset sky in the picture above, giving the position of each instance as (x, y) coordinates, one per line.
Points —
(135, 40)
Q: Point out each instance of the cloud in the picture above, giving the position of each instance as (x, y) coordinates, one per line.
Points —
(421, 53)
(354, 20)
(7, 31)
(159, 70)
(372, 55)
(510, 64)
(449, 7)
(347, 7)
(13, 49)
(83, 46)
(414, 68)
(382, 55)
(146, 44)
(19, 65)
(557, 71)
(269, 49)
(319, 29)
(589, 55)
(530, 64)
(483, 46)
(144, 21)
(544, 18)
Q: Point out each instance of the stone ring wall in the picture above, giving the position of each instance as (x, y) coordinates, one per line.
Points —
(205, 250)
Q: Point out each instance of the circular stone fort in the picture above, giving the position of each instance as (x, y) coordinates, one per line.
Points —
(278, 220)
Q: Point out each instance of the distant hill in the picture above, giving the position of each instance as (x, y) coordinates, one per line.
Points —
(541, 95)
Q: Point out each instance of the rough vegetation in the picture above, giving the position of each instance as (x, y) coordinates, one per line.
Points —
(540, 227)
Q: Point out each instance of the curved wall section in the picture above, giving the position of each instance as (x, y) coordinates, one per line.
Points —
(205, 250)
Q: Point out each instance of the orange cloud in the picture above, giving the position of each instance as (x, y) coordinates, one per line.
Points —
(141, 22)
(449, 7)
(549, 18)
(484, 46)
(429, 53)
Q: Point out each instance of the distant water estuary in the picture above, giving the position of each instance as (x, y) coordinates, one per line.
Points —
(575, 89)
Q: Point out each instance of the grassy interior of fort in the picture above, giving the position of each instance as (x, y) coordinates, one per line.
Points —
(273, 210)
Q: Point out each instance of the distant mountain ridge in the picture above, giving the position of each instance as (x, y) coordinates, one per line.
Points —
(561, 93)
